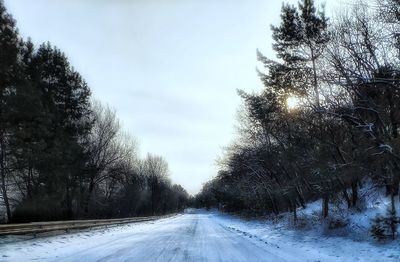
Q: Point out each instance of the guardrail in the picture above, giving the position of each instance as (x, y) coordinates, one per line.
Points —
(42, 227)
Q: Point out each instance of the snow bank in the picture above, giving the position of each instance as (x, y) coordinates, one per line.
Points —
(351, 242)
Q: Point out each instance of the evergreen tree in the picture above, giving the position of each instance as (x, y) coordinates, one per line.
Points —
(65, 99)
(29, 124)
(299, 42)
(9, 79)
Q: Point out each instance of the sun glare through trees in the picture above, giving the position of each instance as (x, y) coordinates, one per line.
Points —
(292, 102)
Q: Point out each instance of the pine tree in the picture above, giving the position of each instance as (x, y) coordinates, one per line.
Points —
(65, 99)
(299, 42)
(9, 50)
(29, 124)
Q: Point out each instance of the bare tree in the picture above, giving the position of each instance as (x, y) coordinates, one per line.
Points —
(111, 152)
(155, 169)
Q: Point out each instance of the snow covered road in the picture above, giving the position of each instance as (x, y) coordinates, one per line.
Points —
(188, 237)
(197, 236)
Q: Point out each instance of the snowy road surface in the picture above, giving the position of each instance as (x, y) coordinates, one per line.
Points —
(197, 236)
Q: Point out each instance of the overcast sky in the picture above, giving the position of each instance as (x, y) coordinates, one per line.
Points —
(169, 67)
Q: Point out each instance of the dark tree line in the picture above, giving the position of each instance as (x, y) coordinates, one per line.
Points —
(345, 130)
(63, 155)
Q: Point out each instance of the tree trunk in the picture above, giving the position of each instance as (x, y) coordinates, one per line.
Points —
(325, 206)
(153, 201)
(68, 200)
(354, 193)
(393, 224)
(395, 186)
(274, 206)
(89, 195)
(347, 198)
(29, 182)
(3, 180)
(301, 199)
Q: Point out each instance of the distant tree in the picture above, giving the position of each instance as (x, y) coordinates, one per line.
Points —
(105, 149)
(155, 169)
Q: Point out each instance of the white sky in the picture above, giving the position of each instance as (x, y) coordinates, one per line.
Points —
(169, 67)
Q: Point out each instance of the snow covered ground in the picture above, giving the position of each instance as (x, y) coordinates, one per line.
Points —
(196, 236)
